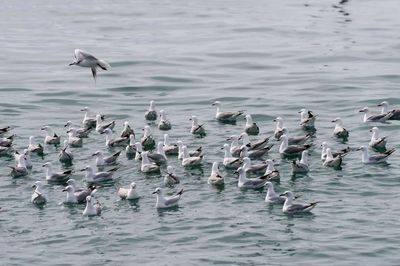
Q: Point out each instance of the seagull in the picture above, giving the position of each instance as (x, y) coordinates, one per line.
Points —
(215, 177)
(331, 161)
(251, 128)
(254, 154)
(171, 179)
(301, 166)
(80, 132)
(285, 149)
(307, 119)
(188, 160)
(127, 131)
(270, 173)
(139, 150)
(65, 156)
(164, 123)
(375, 118)
(92, 177)
(253, 168)
(272, 197)
(59, 177)
(235, 146)
(73, 139)
(245, 182)
(51, 136)
(20, 169)
(77, 197)
(229, 117)
(279, 127)
(255, 145)
(339, 130)
(297, 140)
(147, 166)
(7, 142)
(130, 150)
(38, 197)
(151, 113)
(102, 161)
(84, 59)
(112, 141)
(289, 207)
(167, 202)
(147, 140)
(230, 162)
(28, 162)
(4, 130)
(379, 158)
(168, 148)
(324, 146)
(384, 110)
(89, 120)
(377, 142)
(128, 193)
(197, 129)
(159, 156)
(35, 148)
(92, 208)
(101, 127)
(197, 152)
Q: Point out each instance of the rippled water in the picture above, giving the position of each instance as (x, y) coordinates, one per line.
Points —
(268, 58)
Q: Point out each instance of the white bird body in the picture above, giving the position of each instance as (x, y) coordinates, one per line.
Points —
(84, 59)
(165, 201)
(92, 208)
(129, 193)
(215, 177)
(290, 207)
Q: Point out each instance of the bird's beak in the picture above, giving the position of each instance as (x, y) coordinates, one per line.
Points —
(283, 194)
(379, 104)
(154, 192)
(334, 120)
(358, 149)
(71, 64)
(33, 186)
(361, 110)
(43, 165)
(370, 130)
(64, 190)
(42, 128)
(103, 132)
(84, 169)
(94, 154)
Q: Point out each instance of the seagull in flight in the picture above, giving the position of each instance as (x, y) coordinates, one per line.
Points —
(84, 59)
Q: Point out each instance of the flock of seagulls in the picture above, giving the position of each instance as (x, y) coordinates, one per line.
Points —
(243, 155)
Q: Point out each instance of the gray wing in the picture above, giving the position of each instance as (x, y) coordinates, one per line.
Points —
(294, 149)
(172, 200)
(81, 195)
(228, 115)
(81, 55)
(112, 158)
(102, 176)
(255, 182)
(259, 144)
(298, 207)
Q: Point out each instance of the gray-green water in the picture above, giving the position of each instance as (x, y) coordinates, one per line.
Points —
(269, 58)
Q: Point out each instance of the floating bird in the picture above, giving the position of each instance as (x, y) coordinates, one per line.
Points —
(59, 177)
(164, 123)
(38, 197)
(272, 197)
(245, 182)
(307, 119)
(65, 156)
(92, 177)
(4, 130)
(159, 156)
(171, 179)
(339, 130)
(285, 149)
(253, 168)
(147, 166)
(89, 120)
(151, 113)
(384, 110)
(84, 59)
(229, 117)
(335, 162)
(28, 161)
(255, 145)
(379, 158)
(301, 166)
(80, 132)
(297, 140)
(254, 154)
(147, 141)
(377, 142)
(130, 150)
(127, 131)
(128, 193)
(290, 207)
(251, 127)
(215, 177)
(51, 136)
(77, 197)
(270, 173)
(195, 153)
(230, 162)
(20, 169)
(109, 160)
(7, 142)
(139, 150)
(169, 149)
(279, 127)
(112, 141)
(101, 127)
(324, 146)
(375, 118)
(197, 129)
(92, 208)
(35, 148)
(167, 202)
(188, 160)
(73, 139)
(235, 146)
(72, 182)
